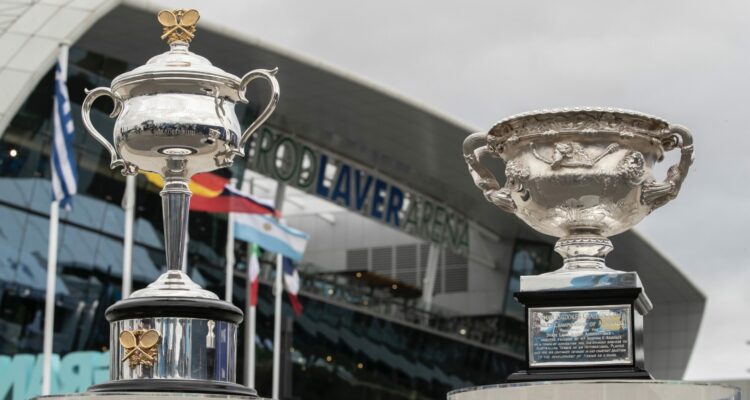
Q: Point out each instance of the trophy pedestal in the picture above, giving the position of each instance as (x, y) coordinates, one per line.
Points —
(195, 351)
(600, 390)
(583, 326)
(582, 373)
(176, 386)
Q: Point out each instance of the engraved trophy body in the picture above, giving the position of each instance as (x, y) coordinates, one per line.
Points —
(175, 116)
(581, 174)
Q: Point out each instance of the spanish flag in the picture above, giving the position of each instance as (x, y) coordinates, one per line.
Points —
(212, 193)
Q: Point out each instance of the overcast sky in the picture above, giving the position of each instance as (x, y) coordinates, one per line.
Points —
(480, 61)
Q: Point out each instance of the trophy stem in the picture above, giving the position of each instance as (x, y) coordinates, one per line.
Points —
(583, 252)
(175, 200)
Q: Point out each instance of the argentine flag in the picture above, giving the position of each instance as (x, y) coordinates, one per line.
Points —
(64, 171)
(270, 234)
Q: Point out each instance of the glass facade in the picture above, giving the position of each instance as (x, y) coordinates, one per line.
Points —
(529, 258)
(332, 351)
(335, 352)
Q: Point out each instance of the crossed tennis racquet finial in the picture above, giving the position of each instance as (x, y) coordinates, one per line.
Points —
(179, 22)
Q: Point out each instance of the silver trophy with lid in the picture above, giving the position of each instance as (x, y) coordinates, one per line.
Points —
(175, 117)
(581, 174)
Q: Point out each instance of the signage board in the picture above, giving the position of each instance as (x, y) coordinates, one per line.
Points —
(360, 189)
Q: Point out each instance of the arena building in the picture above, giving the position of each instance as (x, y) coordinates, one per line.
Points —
(409, 273)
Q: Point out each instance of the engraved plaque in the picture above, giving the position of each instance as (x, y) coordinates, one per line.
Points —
(580, 336)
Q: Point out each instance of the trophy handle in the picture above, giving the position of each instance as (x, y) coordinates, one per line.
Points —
(475, 147)
(115, 159)
(657, 194)
(267, 74)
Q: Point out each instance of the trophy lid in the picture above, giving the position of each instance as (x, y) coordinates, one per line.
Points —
(178, 70)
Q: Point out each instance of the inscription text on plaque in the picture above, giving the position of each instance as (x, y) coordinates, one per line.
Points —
(578, 336)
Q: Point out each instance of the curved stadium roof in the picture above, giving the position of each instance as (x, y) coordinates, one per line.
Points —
(418, 148)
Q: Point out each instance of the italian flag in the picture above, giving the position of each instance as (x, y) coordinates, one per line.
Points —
(254, 272)
(292, 283)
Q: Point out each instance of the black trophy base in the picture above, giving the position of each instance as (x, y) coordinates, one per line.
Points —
(175, 386)
(586, 373)
(552, 343)
(175, 307)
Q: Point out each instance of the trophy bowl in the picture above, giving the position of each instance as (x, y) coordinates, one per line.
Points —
(177, 105)
(580, 174)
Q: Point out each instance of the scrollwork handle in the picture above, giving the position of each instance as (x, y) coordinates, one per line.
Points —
(657, 194)
(115, 159)
(475, 147)
(267, 74)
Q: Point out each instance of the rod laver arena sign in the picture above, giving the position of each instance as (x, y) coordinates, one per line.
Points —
(309, 168)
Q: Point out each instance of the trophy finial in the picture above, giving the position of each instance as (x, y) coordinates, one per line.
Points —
(179, 25)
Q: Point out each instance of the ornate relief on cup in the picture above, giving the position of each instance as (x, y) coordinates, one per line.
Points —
(516, 171)
(632, 167)
(572, 154)
(584, 211)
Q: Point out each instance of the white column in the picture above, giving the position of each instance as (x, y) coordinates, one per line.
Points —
(127, 245)
(49, 304)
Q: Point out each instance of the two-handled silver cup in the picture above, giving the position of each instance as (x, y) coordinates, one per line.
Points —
(581, 174)
(176, 117)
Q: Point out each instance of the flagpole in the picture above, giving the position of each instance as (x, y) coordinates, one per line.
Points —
(250, 309)
(277, 326)
(127, 247)
(49, 303)
(278, 203)
(230, 258)
(64, 184)
(229, 252)
(250, 330)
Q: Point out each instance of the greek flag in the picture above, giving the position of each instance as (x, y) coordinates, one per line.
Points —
(64, 171)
